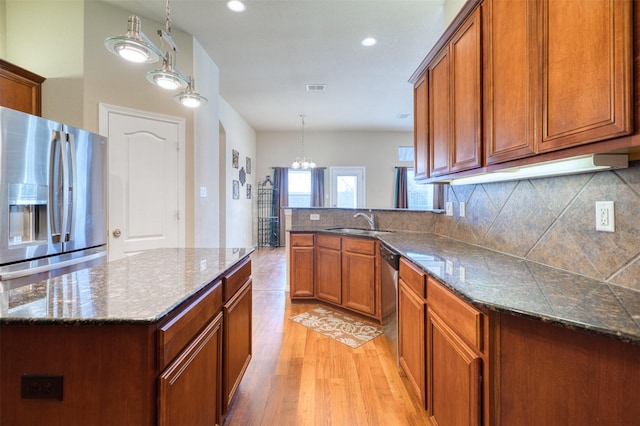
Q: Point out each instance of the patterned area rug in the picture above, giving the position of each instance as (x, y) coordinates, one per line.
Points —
(342, 328)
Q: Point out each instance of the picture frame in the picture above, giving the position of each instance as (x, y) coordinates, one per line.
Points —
(236, 190)
(248, 165)
(235, 158)
(248, 191)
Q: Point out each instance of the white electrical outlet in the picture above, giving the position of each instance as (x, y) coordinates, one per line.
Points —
(605, 216)
(449, 208)
(463, 209)
(314, 216)
(203, 264)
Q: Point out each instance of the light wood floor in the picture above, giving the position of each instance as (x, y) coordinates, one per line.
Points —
(298, 377)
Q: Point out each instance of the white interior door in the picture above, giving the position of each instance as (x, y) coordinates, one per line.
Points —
(146, 180)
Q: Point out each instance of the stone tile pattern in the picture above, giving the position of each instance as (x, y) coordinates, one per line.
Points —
(549, 221)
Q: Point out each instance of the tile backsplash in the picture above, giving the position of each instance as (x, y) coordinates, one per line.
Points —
(549, 221)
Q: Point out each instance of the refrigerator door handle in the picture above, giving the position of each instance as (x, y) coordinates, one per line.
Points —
(69, 166)
(54, 156)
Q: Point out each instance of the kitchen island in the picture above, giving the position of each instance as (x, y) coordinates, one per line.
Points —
(140, 340)
(489, 338)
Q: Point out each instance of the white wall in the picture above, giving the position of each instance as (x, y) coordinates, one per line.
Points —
(46, 37)
(3, 29)
(451, 9)
(206, 153)
(376, 151)
(239, 213)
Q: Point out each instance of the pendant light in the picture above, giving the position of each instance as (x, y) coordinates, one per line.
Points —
(167, 77)
(190, 98)
(136, 47)
(303, 162)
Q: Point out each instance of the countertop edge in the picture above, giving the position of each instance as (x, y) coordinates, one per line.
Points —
(485, 305)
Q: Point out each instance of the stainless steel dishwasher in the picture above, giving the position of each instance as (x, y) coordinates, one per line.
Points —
(389, 296)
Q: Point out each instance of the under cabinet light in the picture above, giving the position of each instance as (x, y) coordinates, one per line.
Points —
(569, 166)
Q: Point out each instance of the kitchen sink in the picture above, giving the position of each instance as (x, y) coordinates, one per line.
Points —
(360, 231)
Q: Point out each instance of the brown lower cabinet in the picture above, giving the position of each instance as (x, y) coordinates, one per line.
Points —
(185, 391)
(482, 367)
(301, 265)
(342, 271)
(412, 314)
(329, 275)
(237, 339)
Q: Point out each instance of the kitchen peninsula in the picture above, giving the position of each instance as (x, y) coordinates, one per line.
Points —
(489, 338)
(142, 340)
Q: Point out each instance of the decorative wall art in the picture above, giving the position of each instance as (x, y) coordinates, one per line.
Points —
(242, 176)
(236, 190)
(248, 191)
(235, 158)
(248, 165)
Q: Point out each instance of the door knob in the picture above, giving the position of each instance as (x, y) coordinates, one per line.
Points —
(117, 233)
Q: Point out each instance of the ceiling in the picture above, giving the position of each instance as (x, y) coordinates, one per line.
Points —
(270, 52)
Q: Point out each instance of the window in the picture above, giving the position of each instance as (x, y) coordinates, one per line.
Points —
(299, 188)
(420, 197)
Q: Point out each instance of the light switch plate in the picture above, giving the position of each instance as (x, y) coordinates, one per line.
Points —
(463, 209)
(314, 216)
(203, 192)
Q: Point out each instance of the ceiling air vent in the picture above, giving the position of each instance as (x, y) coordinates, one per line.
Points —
(316, 87)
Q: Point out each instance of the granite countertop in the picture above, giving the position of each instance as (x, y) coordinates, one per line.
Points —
(139, 289)
(504, 283)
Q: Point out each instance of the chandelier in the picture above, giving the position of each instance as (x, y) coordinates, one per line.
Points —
(135, 46)
(303, 162)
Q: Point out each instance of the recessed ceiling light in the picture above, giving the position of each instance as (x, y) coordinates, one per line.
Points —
(369, 41)
(236, 5)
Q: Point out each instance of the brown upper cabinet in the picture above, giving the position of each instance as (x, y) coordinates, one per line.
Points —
(420, 134)
(455, 102)
(20, 89)
(534, 76)
(510, 73)
(586, 55)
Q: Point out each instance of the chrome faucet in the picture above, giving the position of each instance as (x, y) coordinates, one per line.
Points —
(372, 224)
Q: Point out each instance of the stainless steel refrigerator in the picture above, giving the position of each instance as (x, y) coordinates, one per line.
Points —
(53, 205)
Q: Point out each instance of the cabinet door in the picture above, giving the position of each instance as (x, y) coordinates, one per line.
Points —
(359, 282)
(587, 70)
(189, 388)
(510, 79)
(301, 265)
(420, 121)
(411, 337)
(454, 377)
(20, 89)
(465, 52)
(328, 275)
(439, 114)
(237, 341)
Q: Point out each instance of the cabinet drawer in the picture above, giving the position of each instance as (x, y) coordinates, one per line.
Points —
(329, 241)
(464, 319)
(301, 240)
(235, 279)
(177, 332)
(360, 245)
(415, 279)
